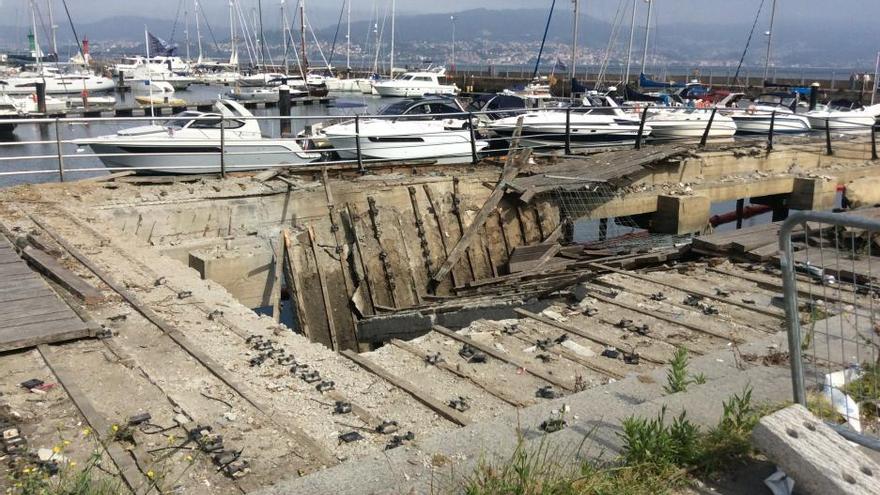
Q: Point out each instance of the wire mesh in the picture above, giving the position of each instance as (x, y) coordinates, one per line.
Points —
(582, 207)
(830, 266)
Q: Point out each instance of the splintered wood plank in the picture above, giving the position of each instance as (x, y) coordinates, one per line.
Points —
(434, 404)
(510, 170)
(325, 295)
(309, 287)
(294, 287)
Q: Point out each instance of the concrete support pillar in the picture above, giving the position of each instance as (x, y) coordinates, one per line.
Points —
(681, 214)
(812, 194)
(245, 271)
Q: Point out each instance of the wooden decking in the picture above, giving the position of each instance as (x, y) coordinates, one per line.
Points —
(31, 313)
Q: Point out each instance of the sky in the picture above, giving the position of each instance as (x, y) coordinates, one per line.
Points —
(819, 12)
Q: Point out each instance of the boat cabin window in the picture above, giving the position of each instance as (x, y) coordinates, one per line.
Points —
(406, 77)
(214, 123)
(180, 120)
(423, 78)
(443, 108)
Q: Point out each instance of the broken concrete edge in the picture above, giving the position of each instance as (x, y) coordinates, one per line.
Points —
(814, 455)
(411, 324)
(592, 432)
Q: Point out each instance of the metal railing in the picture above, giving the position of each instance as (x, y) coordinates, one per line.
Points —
(830, 286)
(473, 137)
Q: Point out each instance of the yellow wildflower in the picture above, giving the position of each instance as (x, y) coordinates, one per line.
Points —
(151, 474)
(115, 428)
(66, 443)
(72, 463)
(86, 432)
(56, 449)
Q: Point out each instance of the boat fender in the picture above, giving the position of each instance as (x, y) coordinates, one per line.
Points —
(34, 97)
(752, 109)
(637, 108)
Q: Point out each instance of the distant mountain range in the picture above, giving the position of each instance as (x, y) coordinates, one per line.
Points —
(817, 46)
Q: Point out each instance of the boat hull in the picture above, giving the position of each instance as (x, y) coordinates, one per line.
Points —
(446, 147)
(198, 158)
(581, 136)
(661, 129)
(412, 91)
(849, 123)
(760, 124)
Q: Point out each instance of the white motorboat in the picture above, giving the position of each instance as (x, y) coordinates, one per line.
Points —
(8, 110)
(600, 123)
(758, 115)
(189, 143)
(154, 64)
(58, 83)
(382, 139)
(841, 118)
(416, 84)
(688, 123)
(538, 89)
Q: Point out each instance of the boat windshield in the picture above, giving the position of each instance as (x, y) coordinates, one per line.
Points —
(396, 108)
(181, 120)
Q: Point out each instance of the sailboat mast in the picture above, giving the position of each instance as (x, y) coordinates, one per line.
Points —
(186, 29)
(348, 40)
(769, 40)
(647, 33)
(53, 27)
(262, 38)
(284, 34)
(629, 49)
(302, 33)
(391, 68)
(37, 52)
(574, 41)
(876, 83)
(198, 30)
(233, 57)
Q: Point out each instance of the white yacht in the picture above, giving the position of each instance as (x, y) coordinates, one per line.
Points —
(8, 110)
(839, 117)
(156, 63)
(416, 84)
(57, 82)
(757, 116)
(189, 143)
(683, 123)
(383, 139)
(600, 122)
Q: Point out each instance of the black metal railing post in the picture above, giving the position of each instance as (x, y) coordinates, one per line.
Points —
(772, 128)
(474, 158)
(641, 128)
(357, 143)
(873, 142)
(222, 147)
(58, 150)
(705, 137)
(568, 130)
(828, 150)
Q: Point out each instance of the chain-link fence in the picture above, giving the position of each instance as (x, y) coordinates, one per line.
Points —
(830, 262)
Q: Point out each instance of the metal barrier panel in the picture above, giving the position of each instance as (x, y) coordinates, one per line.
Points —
(829, 263)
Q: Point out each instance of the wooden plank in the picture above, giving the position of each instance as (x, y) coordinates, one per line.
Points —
(136, 481)
(510, 171)
(277, 267)
(462, 373)
(696, 292)
(435, 405)
(65, 278)
(293, 289)
(108, 177)
(527, 262)
(658, 316)
(325, 295)
(25, 336)
(344, 269)
(366, 416)
(587, 334)
(42, 315)
(320, 455)
(438, 220)
(506, 358)
(815, 455)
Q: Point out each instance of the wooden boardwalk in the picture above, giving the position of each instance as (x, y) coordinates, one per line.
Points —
(31, 313)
